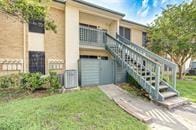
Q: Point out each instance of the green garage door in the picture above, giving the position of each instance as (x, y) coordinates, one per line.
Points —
(88, 72)
(100, 72)
(95, 72)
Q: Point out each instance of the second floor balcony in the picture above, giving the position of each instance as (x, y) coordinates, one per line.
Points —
(92, 37)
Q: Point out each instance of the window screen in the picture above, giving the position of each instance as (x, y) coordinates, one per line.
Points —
(125, 32)
(36, 26)
(144, 39)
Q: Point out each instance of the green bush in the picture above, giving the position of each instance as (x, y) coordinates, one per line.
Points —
(32, 81)
(10, 81)
(54, 81)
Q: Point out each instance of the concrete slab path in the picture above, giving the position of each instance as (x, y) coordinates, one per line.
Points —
(181, 118)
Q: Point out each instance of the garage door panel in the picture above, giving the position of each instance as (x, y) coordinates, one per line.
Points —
(89, 72)
(121, 74)
(106, 72)
(100, 72)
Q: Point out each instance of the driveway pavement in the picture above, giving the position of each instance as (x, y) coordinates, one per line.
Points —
(181, 118)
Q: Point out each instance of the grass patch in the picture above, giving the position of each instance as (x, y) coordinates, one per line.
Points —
(188, 77)
(187, 88)
(12, 94)
(85, 109)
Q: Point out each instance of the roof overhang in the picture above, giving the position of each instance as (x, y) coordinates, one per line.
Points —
(58, 4)
(90, 8)
(134, 25)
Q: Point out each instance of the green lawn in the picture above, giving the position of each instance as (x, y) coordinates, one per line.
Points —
(187, 88)
(87, 109)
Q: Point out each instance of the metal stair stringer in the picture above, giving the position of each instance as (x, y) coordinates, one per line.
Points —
(167, 67)
(143, 69)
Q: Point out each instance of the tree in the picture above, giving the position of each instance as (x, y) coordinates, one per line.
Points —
(27, 10)
(174, 33)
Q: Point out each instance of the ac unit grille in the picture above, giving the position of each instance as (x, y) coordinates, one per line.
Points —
(71, 79)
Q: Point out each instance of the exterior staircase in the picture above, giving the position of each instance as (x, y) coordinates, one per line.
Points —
(153, 73)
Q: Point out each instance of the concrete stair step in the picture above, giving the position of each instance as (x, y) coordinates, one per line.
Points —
(174, 102)
(168, 94)
(161, 87)
(149, 76)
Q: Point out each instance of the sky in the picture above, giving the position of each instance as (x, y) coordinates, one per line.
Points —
(140, 11)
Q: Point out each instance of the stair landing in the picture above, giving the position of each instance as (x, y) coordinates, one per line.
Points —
(174, 102)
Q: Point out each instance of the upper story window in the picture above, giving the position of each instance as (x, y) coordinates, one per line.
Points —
(125, 32)
(36, 26)
(144, 39)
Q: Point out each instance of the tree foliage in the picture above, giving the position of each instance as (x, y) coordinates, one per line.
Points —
(26, 10)
(174, 33)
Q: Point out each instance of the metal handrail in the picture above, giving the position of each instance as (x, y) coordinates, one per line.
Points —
(89, 28)
(121, 51)
(149, 53)
(134, 50)
(164, 62)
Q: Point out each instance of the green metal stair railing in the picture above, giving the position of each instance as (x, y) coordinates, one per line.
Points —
(168, 68)
(134, 63)
(142, 68)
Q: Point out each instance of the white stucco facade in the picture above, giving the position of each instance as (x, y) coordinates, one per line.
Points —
(36, 41)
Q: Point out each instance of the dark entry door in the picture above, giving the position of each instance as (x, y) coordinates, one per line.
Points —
(36, 62)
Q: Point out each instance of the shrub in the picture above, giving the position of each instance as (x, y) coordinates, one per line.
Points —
(32, 81)
(9, 81)
(54, 81)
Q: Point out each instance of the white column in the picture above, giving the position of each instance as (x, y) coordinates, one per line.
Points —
(114, 28)
(71, 37)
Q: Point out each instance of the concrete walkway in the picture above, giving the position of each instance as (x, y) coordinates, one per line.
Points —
(182, 118)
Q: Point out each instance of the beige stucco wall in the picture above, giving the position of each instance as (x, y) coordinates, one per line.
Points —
(55, 42)
(101, 22)
(94, 52)
(94, 20)
(114, 28)
(71, 37)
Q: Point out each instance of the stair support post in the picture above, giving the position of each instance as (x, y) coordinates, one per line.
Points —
(123, 55)
(174, 77)
(157, 81)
